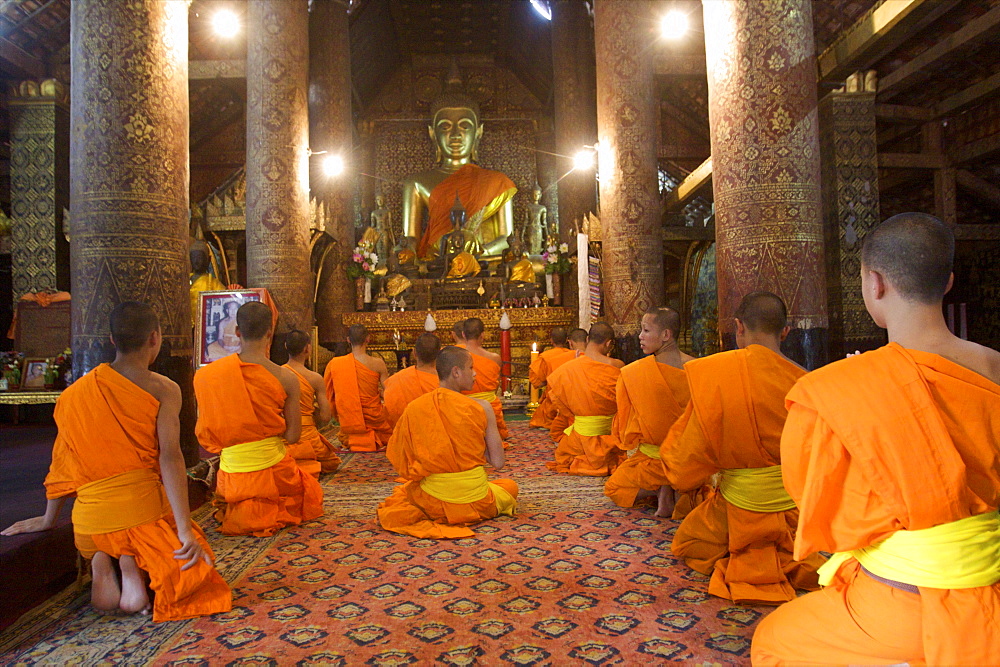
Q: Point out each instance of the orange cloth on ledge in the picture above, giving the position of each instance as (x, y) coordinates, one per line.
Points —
(734, 420)
(586, 388)
(404, 387)
(43, 299)
(357, 404)
(240, 403)
(107, 428)
(538, 373)
(894, 439)
(651, 396)
(439, 432)
(488, 379)
(313, 453)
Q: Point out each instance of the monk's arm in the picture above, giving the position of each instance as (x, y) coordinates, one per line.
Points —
(383, 375)
(39, 523)
(494, 443)
(687, 454)
(623, 414)
(291, 411)
(323, 412)
(174, 474)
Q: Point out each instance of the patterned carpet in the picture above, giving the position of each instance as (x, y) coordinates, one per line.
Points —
(571, 580)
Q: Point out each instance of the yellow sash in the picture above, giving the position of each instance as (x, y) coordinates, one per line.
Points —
(467, 486)
(591, 425)
(488, 396)
(652, 451)
(119, 502)
(756, 489)
(253, 456)
(960, 554)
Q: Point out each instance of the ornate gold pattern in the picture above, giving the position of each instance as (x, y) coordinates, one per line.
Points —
(28, 397)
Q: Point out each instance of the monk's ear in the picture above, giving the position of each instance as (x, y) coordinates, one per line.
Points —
(239, 334)
(951, 283)
(784, 333)
(741, 328)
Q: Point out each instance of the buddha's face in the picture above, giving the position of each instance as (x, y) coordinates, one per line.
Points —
(379, 201)
(456, 133)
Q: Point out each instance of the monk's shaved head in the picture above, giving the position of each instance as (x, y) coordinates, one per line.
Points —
(254, 320)
(295, 342)
(458, 329)
(427, 348)
(357, 334)
(449, 358)
(131, 324)
(474, 328)
(558, 336)
(914, 252)
(578, 336)
(666, 319)
(600, 333)
(763, 312)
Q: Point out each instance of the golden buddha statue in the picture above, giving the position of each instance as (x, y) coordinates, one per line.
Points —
(538, 222)
(487, 195)
(201, 279)
(519, 269)
(458, 261)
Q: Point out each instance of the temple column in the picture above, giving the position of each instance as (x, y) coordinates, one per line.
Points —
(277, 209)
(331, 128)
(765, 164)
(39, 186)
(129, 180)
(573, 90)
(851, 209)
(628, 131)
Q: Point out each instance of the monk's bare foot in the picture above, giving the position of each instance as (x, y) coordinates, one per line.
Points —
(134, 597)
(666, 502)
(105, 592)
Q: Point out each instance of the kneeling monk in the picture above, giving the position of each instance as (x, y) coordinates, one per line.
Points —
(538, 374)
(440, 446)
(411, 383)
(248, 409)
(487, 365)
(577, 340)
(651, 393)
(742, 534)
(118, 452)
(313, 452)
(354, 387)
(892, 456)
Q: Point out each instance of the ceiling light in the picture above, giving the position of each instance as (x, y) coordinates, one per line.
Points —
(583, 160)
(226, 23)
(674, 24)
(333, 165)
(542, 7)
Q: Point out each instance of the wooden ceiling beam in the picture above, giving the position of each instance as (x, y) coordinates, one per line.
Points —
(975, 150)
(977, 186)
(898, 113)
(16, 61)
(912, 161)
(967, 97)
(686, 189)
(976, 232)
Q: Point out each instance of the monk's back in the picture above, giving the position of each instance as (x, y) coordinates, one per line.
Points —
(238, 402)
(441, 431)
(586, 386)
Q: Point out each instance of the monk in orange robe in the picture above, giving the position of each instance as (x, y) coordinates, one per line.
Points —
(487, 365)
(577, 340)
(354, 388)
(313, 453)
(440, 446)
(538, 374)
(651, 393)
(407, 385)
(118, 451)
(585, 389)
(248, 412)
(742, 534)
(892, 458)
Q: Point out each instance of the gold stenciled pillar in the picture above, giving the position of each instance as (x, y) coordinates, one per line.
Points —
(627, 127)
(331, 129)
(277, 213)
(765, 164)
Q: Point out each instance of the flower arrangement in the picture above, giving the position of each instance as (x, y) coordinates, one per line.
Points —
(556, 258)
(59, 368)
(362, 264)
(10, 367)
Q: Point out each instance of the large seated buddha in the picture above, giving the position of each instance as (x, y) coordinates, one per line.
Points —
(486, 195)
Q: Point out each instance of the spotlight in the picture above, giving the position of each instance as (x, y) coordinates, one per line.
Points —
(333, 165)
(674, 24)
(543, 9)
(583, 160)
(226, 23)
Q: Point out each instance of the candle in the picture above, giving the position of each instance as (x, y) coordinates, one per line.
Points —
(529, 409)
(534, 349)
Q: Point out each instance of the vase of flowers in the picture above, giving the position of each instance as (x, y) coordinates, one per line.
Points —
(361, 269)
(10, 369)
(556, 258)
(63, 369)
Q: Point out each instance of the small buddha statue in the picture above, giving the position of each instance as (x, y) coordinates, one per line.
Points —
(538, 222)
(458, 261)
(518, 268)
(381, 222)
(403, 258)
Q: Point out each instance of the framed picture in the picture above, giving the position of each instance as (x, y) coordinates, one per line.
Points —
(33, 375)
(215, 336)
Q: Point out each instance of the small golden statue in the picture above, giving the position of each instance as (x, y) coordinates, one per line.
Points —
(517, 268)
(538, 222)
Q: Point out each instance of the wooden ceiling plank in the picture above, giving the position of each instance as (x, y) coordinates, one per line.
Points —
(21, 64)
(912, 161)
(967, 97)
(900, 113)
(27, 18)
(686, 189)
(975, 150)
(977, 186)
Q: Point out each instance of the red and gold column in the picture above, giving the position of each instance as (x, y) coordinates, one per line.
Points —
(277, 212)
(632, 268)
(766, 166)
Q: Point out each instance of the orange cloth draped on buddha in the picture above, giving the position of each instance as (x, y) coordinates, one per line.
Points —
(357, 404)
(651, 396)
(538, 373)
(734, 421)
(242, 403)
(404, 387)
(488, 381)
(891, 440)
(482, 192)
(586, 388)
(439, 432)
(313, 452)
(107, 434)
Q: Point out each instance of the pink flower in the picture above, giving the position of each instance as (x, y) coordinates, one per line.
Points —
(365, 267)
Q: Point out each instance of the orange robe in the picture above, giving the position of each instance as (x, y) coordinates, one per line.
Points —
(482, 192)
(357, 404)
(586, 388)
(240, 403)
(439, 432)
(890, 440)
(547, 362)
(488, 380)
(107, 429)
(313, 452)
(651, 397)
(404, 387)
(734, 420)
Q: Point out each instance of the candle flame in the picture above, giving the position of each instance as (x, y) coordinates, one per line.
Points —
(534, 347)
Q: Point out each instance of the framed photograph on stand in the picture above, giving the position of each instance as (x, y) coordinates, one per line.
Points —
(215, 336)
(33, 375)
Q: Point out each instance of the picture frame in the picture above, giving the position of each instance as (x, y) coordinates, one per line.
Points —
(33, 374)
(215, 336)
